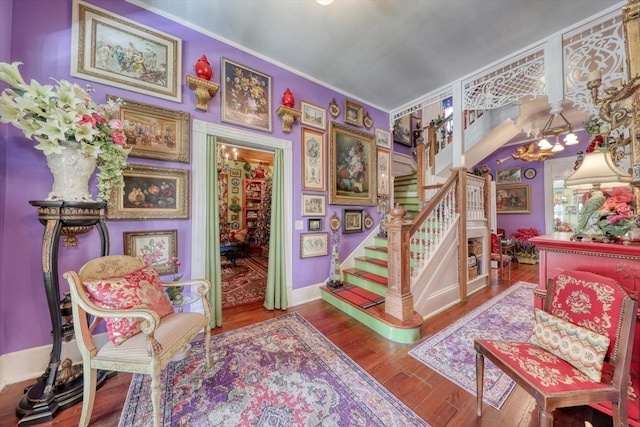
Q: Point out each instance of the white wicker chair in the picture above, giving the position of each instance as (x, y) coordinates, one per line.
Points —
(147, 352)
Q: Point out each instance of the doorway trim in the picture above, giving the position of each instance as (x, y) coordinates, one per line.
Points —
(200, 131)
(549, 166)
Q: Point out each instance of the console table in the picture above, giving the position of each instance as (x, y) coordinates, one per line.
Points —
(60, 387)
(620, 261)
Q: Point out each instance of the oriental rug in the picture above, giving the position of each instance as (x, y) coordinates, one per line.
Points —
(244, 283)
(280, 372)
(450, 352)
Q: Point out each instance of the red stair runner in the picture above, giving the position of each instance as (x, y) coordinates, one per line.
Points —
(359, 296)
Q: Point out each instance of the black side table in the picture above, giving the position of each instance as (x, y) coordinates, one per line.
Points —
(60, 388)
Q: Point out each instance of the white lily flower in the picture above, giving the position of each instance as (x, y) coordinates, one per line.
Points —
(10, 74)
(47, 146)
(53, 131)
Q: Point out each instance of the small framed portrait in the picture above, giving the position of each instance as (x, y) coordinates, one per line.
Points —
(352, 221)
(313, 115)
(314, 244)
(235, 172)
(314, 205)
(353, 113)
(530, 173)
(156, 247)
(313, 160)
(314, 224)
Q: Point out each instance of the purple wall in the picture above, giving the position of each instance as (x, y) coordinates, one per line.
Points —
(42, 42)
(511, 222)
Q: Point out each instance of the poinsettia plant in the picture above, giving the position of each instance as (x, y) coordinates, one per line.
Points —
(523, 247)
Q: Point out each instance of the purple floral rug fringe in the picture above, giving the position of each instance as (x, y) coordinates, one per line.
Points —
(450, 352)
(280, 372)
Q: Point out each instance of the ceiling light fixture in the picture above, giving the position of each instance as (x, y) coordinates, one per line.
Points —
(325, 2)
(549, 130)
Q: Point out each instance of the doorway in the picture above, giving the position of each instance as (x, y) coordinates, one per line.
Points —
(202, 133)
(244, 212)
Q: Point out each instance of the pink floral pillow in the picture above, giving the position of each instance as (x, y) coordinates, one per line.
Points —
(140, 289)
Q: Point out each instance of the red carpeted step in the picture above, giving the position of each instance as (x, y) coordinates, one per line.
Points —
(354, 295)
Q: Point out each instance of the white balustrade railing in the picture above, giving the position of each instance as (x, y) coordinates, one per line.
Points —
(475, 197)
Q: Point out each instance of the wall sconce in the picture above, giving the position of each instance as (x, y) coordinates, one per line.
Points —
(203, 89)
(287, 112)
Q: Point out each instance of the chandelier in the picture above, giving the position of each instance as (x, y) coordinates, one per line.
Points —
(550, 130)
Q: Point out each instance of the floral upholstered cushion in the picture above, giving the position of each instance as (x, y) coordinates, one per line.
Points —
(581, 347)
(139, 289)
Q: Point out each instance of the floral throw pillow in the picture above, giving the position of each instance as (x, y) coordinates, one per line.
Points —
(581, 347)
(140, 289)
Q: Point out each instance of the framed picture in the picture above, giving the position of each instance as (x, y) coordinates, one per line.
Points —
(151, 192)
(314, 205)
(353, 113)
(530, 173)
(383, 138)
(315, 224)
(384, 172)
(402, 131)
(235, 172)
(156, 246)
(513, 199)
(509, 176)
(246, 96)
(314, 244)
(154, 132)
(352, 160)
(117, 51)
(352, 221)
(313, 115)
(313, 160)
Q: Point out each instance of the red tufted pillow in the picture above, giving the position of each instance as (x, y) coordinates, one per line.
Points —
(140, 289)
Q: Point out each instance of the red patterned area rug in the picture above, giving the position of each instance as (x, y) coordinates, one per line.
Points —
(280, 372)
(245, 282)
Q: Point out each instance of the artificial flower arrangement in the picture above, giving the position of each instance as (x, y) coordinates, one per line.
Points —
(523, 247)
(153, 254)
(53, 115)
(617, 214)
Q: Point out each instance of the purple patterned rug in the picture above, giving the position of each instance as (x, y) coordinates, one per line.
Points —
(280, 372)
(450, 352)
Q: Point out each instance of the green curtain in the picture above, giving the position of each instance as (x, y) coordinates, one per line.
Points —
(212, 236)
(276, 297)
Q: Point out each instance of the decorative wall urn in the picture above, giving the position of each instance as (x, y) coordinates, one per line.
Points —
(203, 68)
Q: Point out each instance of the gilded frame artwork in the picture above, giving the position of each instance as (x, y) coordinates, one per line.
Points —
(352, 221)
(151, 192)
(155, 132)
(383, 138)
(246, 96)
(116, 51)
(160, 246)
(353, 113)
(314, 244)
(509, 175)
(352, 160)
(313, 160)
(384, 172)
(314, 205)
(513, 199)
(402, 131)
(313, 115)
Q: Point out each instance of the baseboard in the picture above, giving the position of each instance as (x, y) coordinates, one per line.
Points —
(31, 363)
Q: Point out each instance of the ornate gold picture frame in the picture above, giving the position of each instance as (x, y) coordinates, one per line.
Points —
(151, 192)
(513, 199)
(154, 132)
(160, 246)
(313, 160)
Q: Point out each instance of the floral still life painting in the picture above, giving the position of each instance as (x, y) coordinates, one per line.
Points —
(353, 165)
(247, 96)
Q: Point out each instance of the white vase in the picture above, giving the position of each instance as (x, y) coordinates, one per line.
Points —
(71, 170)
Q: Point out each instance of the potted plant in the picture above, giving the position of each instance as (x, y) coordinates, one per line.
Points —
(525, 251)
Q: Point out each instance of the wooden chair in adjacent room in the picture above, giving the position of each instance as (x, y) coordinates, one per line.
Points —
(502, 259)
(580, 349)
(145, 333)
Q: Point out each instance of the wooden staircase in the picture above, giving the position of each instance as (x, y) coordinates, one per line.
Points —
(371, 273)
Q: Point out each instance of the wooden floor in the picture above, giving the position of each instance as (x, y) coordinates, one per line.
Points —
(435, 399)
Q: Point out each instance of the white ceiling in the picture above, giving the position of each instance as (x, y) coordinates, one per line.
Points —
(385, 53)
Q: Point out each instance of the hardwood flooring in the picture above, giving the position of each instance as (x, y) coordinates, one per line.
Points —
(435, 399)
